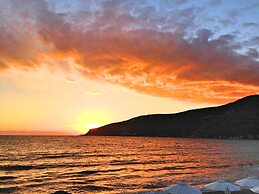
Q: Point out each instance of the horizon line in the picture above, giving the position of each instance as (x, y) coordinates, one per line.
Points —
(37, 133)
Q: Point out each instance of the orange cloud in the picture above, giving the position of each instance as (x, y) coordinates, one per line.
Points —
(158, 63)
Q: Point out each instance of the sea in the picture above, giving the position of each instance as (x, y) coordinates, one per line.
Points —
(80, 164)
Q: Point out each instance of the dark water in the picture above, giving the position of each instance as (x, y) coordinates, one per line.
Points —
(120, 164)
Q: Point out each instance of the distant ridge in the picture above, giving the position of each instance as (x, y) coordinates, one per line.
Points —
(239, 119)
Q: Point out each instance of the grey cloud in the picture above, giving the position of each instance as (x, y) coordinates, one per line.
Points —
(253, 53)
(250, 24)
(214, 2)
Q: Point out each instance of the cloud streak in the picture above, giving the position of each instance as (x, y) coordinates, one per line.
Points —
(135, 46)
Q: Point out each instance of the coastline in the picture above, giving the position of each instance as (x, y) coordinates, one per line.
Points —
(243, 191)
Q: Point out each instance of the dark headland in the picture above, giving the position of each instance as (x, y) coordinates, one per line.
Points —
(237, 120)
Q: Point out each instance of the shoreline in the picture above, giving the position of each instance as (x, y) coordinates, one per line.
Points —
(243, 191)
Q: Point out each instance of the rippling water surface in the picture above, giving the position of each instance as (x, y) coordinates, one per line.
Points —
(120, 164)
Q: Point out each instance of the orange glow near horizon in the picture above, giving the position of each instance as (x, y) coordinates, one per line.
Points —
(46, 101)
(90, 120)
(64, 73)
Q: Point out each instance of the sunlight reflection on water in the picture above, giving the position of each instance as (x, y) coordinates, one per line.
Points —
(120, 164)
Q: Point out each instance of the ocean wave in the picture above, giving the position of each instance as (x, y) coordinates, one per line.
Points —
(9, 189)
(132, 162)
(43, 166)
(91, 188)
(17, 167)
(3, 178)
(89, 172)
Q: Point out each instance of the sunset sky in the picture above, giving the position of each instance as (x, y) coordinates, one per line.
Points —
(68, 65)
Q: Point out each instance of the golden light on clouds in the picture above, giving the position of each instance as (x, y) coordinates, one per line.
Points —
(59, 65)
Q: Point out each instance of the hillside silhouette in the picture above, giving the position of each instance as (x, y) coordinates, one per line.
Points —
(239, 119)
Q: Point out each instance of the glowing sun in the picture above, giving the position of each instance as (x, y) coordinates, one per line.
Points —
(90, 120)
